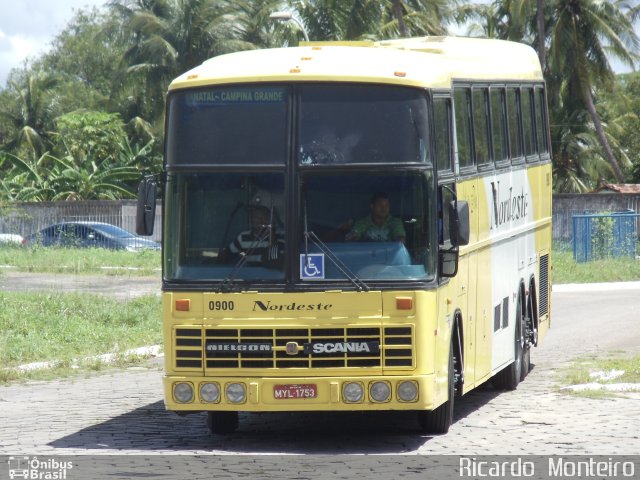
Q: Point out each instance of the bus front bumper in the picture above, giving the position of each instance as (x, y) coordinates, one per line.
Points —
(194, 394)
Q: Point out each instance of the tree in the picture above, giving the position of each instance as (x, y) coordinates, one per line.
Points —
(623, 111)
(341, 19)
(167, 38)
(255, 29)
(85, 55)
(87, 133)
(586, 33)
(30, 112)
(419, 17)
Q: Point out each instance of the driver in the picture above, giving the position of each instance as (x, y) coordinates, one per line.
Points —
(268, 247)
(379, 226)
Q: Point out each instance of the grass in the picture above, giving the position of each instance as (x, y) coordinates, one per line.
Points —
(80, 260)
(580, 373)
(566, 270)
(65, 328)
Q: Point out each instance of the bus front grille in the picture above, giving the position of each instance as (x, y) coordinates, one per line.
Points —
(283, 348)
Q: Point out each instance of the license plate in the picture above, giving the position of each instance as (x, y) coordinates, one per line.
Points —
(284, 392)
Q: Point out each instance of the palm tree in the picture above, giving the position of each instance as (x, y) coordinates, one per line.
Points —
(485, 20)
(586, 33)
(419, 17)
(169, 37)
(30, 112)
(255, 29)
(340, 19)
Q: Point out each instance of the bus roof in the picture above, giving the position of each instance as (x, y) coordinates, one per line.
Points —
(429, 62)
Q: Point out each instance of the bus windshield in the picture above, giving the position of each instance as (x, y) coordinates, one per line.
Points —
(362, 124)
(355, 157)
(233, 225)
(338, 124)
(372, 226)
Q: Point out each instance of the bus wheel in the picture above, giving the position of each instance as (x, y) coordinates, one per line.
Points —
(509, 378)
(440, 419)
(221, 423)
(526, 361)
(527, 329)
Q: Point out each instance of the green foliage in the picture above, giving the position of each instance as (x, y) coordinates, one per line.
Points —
(62, 108)
(29, 112)
(623, 109)
(602, 237)
(86, 133)
(567, 270)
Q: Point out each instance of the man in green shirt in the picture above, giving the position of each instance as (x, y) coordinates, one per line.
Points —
(380, 226)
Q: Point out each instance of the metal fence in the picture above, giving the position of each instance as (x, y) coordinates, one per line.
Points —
(605, 236)
(29, 218)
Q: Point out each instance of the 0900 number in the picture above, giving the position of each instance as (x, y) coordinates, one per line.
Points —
(221, 305)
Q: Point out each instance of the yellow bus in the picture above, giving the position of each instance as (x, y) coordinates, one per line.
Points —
(353, 227)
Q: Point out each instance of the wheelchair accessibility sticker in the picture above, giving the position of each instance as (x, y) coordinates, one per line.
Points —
(312, 266)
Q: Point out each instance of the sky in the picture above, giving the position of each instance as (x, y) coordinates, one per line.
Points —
(27, 28)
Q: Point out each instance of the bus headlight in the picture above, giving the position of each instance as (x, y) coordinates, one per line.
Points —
(210, 392)
(380, 391)
(408, 391)
(353, 392)
(236, 392)
(183, 392)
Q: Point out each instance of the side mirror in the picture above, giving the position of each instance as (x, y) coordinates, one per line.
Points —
(146, 208)
(459, 223)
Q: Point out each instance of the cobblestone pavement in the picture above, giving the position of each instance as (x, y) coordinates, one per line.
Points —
(121, 412)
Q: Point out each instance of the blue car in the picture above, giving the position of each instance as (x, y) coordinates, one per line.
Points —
(90, 235)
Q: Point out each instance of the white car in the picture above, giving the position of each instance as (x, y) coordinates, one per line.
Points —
(6, 238)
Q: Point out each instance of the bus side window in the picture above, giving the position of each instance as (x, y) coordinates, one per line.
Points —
(442, 120)
(499, 125)
(481, 125)
(462, 105)
(528, 125)
(541, 125)
(445, 197)
(514, 116)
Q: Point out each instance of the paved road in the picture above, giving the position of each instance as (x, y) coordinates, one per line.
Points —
(122, 412)
(119, 286)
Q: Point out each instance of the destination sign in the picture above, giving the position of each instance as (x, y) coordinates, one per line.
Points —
(236, 96)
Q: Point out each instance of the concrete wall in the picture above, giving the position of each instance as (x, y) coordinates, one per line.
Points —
(566, 205)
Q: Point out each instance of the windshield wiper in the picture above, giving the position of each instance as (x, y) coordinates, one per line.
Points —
(227, 283)
(324, 248)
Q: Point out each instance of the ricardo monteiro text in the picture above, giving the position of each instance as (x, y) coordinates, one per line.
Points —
(579, 468)
(473, 467)
(556, 467)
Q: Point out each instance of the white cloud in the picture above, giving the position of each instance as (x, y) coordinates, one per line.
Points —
(27, 28)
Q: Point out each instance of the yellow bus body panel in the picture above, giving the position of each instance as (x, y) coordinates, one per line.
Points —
(428, 342)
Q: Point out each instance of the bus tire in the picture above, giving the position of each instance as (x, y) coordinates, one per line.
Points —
(526, 361)
(221, 423)
(440, 419)
(509, 378)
